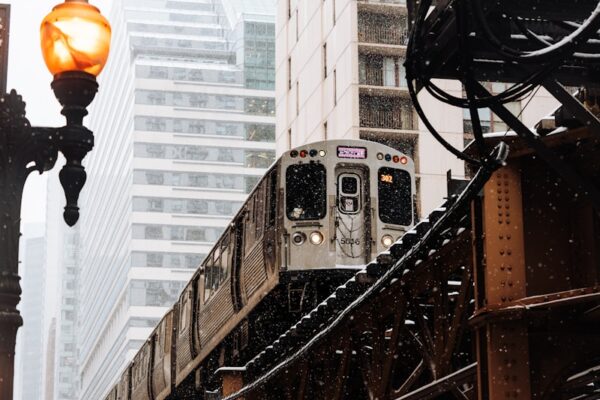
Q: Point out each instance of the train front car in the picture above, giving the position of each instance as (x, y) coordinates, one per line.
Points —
(345, 201)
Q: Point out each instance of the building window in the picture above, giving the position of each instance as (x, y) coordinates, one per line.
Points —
(289, 134)
(324, 60)
(335, 87)
(333, 13)
(289, 7)
(325, 130)
(297, 98)
(297, 26)
(289, 73)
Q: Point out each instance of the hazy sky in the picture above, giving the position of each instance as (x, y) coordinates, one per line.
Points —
(27, 74)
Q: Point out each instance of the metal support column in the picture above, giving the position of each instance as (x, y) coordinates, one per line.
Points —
(504, 371)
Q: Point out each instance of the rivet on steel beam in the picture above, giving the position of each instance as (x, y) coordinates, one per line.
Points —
(508, 252)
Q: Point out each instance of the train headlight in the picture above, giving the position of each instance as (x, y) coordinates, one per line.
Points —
(298, 238)
(316, 238)
(387, 241)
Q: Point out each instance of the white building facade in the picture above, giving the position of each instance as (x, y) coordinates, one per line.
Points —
(184, 125)
(340, 74)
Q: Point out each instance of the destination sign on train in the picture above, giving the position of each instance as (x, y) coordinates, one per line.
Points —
(352, 152)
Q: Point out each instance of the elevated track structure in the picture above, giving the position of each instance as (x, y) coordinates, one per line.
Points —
(496, 294)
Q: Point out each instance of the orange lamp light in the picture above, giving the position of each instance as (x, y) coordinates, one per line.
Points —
(75, 37)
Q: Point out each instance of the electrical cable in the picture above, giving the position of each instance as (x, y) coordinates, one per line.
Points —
(559, 50)
(411, 80)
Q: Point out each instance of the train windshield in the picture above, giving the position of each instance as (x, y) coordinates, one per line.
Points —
(395, 200)
(306, 192)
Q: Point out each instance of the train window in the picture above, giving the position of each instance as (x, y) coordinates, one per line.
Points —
(306, 191)
(349, 185)
(272, 198)
(184, 315)
(349, 198)
(395, 196)
(216, 268)
(225, 258)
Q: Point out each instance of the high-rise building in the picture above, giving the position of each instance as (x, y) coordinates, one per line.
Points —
(30, 346)
(49, 368)
(60, 303)
(184, 125)
(340, 74)
(65, 369)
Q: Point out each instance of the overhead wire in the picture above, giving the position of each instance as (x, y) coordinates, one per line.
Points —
(550, 57)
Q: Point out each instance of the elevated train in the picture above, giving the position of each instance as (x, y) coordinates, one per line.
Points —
(320, 212)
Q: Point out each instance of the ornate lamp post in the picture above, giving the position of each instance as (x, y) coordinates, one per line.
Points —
(75, 40)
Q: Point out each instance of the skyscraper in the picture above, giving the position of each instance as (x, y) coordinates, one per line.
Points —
(340, 74)
(30, 346)
(49, 368)
(184, 126)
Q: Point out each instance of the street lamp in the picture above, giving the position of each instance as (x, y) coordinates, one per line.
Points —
(75, 40)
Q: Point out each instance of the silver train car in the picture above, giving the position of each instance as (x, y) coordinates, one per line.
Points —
(321, 212)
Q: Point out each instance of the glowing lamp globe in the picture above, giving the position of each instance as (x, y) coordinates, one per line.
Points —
(75, 37)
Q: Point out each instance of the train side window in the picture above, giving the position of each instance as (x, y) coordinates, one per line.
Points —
(272, 199)
(259, 209)
(184, 315)
(167, 335)
(395, 196)
(208, 277)
(306, 191)
(225, 258)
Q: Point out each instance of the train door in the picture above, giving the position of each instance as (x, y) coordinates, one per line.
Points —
(352, 215)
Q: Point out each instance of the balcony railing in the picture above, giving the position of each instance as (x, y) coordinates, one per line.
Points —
(398, 118)
(372, 77)
(396, 35)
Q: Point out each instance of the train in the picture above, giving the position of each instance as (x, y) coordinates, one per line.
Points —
(320, 213)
